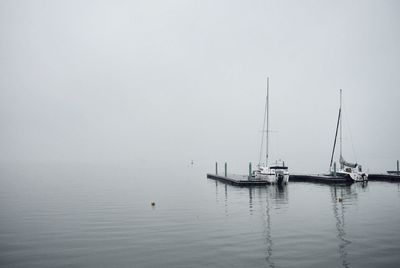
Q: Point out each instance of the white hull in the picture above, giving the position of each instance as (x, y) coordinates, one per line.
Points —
(272, 177)
(359, 177)
(354, 175)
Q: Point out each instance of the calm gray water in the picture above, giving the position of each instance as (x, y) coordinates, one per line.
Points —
(100, 216)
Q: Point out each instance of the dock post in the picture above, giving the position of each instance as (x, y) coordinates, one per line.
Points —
(216, 168)
(249, 169)
(398, 167)
(334, 169)
(225, 170)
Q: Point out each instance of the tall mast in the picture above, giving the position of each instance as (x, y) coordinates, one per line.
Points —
(340, 126)
(263, 132)
(334, 143)
(267, 133)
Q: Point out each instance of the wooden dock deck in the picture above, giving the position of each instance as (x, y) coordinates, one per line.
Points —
(244, 180)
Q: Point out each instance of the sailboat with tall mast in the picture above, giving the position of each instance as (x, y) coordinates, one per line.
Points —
(277, 173)
(350, 171)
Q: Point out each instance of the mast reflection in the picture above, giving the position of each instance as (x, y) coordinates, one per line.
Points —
(267, 233)
(342, 195)
(268, 197)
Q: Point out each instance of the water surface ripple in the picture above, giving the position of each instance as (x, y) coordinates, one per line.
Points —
(81, 216)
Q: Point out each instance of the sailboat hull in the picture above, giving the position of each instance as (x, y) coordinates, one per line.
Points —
(273, 178)
(353, 176)
(359, 176)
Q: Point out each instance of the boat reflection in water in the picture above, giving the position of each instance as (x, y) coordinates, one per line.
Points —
(268, 199)
(342, 196)
(264, 202)
(279, 195)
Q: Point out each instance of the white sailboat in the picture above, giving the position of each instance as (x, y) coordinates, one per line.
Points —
(277, 173)
(350, 171)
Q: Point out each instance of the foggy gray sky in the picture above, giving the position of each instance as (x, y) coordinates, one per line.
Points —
(171, 81)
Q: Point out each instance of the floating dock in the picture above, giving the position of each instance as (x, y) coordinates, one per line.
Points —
(244, 180)
(384, 177)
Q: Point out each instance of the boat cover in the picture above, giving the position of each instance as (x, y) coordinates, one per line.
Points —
(347, 164)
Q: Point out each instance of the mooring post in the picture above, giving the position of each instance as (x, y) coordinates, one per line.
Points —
(249, 169)
(398, 167)
(225, 170)
(216, 168)
(334, 169)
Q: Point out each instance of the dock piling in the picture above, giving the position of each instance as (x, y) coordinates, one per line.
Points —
(249, 169)
(216, 168)
(226, 175)
(334, 169)
(398, 167)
